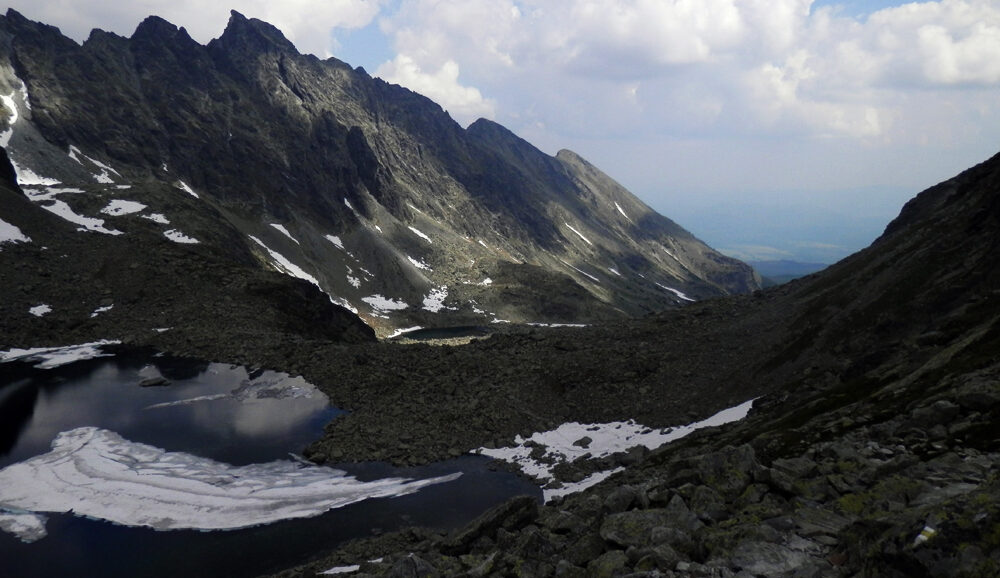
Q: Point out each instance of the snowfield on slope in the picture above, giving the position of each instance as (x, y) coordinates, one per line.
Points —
(179, 237)
(119, 207)
(11, 234)
(283, 265)
(61, 209)
(569, 442)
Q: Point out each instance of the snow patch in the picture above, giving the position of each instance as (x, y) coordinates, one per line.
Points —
(100, 310)
(341, 570)
(580, 271)
(11, 234)
(399, 332)
(9, 104)
(674, 257)
(574, 487)
(354, 281)
(178, 237)
(283, 265)
(434, 301)
(562, 445)
(419, 264)
(27, 177)
(343, 303)
(157, 218)
(104, 177)
(622, 211)
(28, 527)
(579, 234)
(679, 294)
(381, 304)
(63, 210)
(285, 232)
(184, 187)
(336, 241)
(97, 473)
(52, 357)
(615, 271)
(49, 193)
(119, 207)
(418, 233)
(40, 310)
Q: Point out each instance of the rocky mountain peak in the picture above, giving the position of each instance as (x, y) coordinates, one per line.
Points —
(159, 31)
(155, 27)
(16, 25)
(252, 36)
(487, 127)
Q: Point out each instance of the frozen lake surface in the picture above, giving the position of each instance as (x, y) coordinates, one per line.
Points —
(195, 475)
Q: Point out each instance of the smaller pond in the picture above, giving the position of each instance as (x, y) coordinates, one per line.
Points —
(431, 333)
(214, 443)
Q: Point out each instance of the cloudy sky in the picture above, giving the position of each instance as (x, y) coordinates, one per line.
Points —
(769, 128)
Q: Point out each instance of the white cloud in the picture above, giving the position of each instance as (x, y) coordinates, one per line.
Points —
(778, 67)
(464, 103)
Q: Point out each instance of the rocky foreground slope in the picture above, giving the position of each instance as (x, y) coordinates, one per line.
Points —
(872, 449)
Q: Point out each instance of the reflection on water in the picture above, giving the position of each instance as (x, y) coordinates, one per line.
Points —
(215, 411)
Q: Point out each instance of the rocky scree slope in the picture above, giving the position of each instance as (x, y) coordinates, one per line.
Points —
(184, 296)
(872, 449)
(369, 191)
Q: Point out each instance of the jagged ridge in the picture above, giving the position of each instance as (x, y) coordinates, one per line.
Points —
(266, 135)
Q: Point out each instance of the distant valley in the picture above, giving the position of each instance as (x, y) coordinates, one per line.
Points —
(778, 272)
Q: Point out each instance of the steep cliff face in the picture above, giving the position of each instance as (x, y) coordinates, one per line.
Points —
(368, 190)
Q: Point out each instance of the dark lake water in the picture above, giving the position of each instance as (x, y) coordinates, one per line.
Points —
(227, 414)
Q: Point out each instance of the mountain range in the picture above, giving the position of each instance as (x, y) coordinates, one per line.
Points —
(270, 159)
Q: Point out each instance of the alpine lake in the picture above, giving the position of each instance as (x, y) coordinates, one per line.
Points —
(194, 425)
